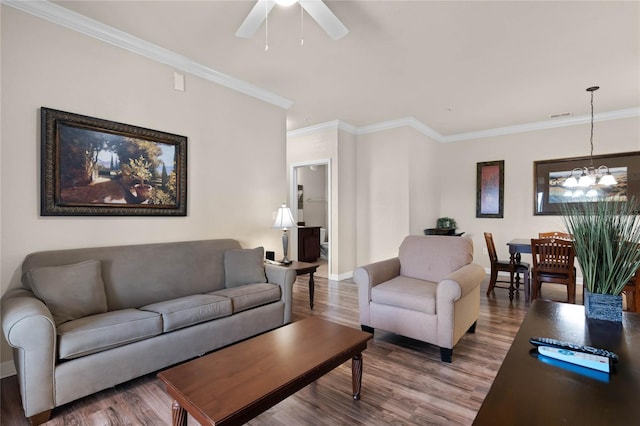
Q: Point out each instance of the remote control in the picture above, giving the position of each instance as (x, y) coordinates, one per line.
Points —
(546, 341)
(596, 362)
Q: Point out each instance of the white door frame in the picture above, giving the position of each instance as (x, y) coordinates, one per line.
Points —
(293, 196)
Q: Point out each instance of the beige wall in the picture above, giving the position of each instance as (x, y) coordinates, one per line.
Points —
(397, 190)
(337, 147)
(236, 144)
(519, 151)
(405, 181)
(345, 230)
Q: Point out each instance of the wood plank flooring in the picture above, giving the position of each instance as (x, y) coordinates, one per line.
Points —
(403, 382)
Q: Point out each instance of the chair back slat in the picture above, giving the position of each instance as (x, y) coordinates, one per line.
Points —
(556, 235)
(491, 248)
(552, 255)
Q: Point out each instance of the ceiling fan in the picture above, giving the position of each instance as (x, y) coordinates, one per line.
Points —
(317, 9)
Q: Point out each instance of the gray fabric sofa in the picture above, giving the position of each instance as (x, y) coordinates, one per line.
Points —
(88, 319)
(430, 292)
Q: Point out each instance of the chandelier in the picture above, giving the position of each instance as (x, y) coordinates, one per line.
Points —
(588, 177)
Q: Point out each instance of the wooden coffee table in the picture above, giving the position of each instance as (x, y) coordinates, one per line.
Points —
(233, 385)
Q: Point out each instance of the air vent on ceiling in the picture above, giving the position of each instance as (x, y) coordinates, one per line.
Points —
(561, 115)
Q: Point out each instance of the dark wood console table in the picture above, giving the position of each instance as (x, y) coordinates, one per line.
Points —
(528, 391)
(308, 243)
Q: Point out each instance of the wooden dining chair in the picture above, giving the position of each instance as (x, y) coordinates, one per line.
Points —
(631, 292)
(505, 266)
(557, 235)
(553, 263)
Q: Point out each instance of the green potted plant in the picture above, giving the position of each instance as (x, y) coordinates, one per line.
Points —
(606, 236)
(446, 223)
(444, 226)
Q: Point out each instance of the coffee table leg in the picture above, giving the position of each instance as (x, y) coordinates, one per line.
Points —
(356, 375)
(179, 414)
(312, 287)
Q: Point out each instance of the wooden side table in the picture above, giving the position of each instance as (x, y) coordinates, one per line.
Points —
(302, 268)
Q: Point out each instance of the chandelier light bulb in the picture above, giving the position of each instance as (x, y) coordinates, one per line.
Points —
(585, 181)
(571, 182)
(608, 180)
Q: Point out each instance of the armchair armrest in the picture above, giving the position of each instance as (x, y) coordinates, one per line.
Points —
(369, 276)
(28, 327)
(285, 278)
(458, 303)
(460, 282)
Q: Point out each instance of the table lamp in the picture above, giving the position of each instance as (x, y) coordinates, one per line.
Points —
(284, 221)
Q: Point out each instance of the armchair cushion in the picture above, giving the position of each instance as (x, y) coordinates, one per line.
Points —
(407, 293)
(433, 258)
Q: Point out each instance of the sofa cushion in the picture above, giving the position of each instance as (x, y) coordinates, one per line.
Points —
(251, 295)
(244, 266)
(408, 293)
(190, 310)
(433, 257)
(69, 291)
(99, 332)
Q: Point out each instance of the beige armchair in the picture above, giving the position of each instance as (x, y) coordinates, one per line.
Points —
(430, 292)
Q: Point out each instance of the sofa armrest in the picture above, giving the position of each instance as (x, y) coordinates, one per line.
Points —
(28, 327)
(285, 278)
(369, 276)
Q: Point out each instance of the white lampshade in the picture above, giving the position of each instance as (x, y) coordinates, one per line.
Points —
(284, 219)
(585, 181)
(286, 2)
(571, 182)
(608, 180)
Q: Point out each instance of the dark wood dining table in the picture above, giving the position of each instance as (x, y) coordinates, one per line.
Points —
(517, 246)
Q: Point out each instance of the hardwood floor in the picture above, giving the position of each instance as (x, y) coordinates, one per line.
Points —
(404, 381)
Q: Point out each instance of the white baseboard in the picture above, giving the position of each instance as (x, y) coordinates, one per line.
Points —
(341, 277)
(7, 369)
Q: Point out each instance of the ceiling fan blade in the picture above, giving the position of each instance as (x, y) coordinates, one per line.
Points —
(325, 18)
(255, 18)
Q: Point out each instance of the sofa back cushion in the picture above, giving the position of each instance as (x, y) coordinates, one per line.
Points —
(433, 257)
(139, 275)
(69, 291)
(244, 266)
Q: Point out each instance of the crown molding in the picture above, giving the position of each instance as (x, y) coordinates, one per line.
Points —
(401, 122)
(500, 131)
(92, 28)
(328, 125)
(543, 125)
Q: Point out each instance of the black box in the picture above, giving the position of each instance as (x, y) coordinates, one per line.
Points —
(270, 255)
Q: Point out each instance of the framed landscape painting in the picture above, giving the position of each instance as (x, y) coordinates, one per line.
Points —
(490, 189)
(551, 176)
(96, 167)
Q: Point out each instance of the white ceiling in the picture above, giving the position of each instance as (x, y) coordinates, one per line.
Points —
(456, 66)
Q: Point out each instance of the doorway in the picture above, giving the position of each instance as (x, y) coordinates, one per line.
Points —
(311, 205)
